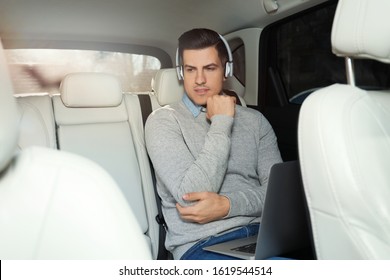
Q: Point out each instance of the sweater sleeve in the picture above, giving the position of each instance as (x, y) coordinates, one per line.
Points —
(249, 201)
(173, 161)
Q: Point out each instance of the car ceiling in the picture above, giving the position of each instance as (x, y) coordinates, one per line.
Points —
(155, 23)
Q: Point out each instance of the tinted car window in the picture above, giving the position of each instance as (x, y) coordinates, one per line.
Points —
(239, 63)
(305, 60)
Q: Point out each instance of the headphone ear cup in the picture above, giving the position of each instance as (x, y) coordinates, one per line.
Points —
(179, 69)
(179, 72)
(228, 69)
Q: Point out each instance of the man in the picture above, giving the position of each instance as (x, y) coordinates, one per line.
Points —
(211, 157)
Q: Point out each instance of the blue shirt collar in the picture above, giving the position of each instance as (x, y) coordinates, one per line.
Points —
(194, 109)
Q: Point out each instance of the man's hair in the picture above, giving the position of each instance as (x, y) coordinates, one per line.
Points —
(201, 38)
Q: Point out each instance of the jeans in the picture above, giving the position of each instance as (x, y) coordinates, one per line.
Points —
(196, 252)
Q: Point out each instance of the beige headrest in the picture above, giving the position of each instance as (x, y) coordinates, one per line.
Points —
(167, 87)
(9, 128)
(361, 29)
(91, 90)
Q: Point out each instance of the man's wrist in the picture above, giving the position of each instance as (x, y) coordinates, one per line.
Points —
(226, 206)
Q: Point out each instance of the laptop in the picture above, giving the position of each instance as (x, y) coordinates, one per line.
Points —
(284, 229)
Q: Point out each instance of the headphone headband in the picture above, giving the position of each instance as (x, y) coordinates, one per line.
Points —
(228, 65)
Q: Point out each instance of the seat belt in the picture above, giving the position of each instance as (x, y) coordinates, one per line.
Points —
(163, 253)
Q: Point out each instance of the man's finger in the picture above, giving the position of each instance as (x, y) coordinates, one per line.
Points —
(184, 212)
(194, 196)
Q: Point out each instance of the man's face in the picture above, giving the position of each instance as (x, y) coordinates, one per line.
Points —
(203, 74)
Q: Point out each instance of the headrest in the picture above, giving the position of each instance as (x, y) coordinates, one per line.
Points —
(167, 87)
(9, 129)
(361, 29)
(91, 90)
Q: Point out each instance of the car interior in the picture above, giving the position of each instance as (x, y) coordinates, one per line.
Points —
(78, 80)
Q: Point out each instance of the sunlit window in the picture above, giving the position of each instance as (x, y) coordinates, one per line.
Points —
(42, 70)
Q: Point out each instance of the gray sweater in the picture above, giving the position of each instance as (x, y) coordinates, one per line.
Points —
(229, 156)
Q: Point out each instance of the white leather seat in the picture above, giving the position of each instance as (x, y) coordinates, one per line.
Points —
(166, 87)
(344, 144)
(57, 205)
(93, 121)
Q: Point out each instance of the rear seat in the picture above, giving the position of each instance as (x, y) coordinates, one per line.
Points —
(93, 118)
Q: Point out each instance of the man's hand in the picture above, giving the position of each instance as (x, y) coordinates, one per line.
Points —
(221, 105)
(207, 207)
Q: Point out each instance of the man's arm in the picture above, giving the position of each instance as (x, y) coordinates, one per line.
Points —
(207, 207)
(250, 201)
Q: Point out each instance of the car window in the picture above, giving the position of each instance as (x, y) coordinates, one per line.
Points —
(239, 63)
(304, 61)
(41, 70)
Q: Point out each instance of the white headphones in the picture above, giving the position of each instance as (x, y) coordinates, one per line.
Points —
(228, 66)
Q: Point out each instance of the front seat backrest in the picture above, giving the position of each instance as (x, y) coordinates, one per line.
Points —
(344, 144)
